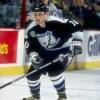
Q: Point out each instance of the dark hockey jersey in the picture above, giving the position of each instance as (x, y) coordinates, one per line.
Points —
(52, 40)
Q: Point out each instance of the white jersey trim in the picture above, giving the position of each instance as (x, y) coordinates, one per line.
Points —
(54, 18)
(29, 27)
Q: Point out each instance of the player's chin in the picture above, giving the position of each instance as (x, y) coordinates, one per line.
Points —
(38, 22)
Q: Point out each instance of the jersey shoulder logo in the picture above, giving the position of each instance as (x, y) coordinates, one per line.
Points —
(32, 34)
(47, 39)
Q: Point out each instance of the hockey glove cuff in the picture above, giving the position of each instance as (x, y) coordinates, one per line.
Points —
(76, 46)
(35, 60)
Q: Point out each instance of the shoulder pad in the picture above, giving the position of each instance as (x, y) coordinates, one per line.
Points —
(54, 18)
(31, 25)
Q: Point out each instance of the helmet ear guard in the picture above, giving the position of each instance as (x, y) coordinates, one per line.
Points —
(40, 7)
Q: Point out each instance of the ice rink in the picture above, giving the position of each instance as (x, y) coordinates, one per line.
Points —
(80, 85)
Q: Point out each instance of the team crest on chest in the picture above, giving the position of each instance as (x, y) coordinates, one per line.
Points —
(47, 39)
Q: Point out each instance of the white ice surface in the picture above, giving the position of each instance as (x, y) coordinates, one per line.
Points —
(80, 85)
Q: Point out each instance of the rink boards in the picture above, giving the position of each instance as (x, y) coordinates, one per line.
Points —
(12, 52)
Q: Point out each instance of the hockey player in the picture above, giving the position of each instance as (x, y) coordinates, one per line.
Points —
(47, 38)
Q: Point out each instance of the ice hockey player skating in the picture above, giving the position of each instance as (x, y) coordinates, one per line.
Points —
(47, 38)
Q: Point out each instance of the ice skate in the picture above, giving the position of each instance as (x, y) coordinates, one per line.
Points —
(62, 96)
(33, 97)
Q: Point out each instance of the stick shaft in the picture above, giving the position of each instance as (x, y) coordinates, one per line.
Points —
(23, 76)
(13, 81)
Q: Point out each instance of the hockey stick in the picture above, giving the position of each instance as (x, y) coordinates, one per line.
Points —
(44, 66)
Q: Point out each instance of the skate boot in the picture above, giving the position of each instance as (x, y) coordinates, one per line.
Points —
(62, 96)
(33, 97)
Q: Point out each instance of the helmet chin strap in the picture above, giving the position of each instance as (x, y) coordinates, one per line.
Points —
(46, 16)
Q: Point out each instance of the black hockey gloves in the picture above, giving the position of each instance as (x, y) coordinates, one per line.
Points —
(36, 60)
(76, 46)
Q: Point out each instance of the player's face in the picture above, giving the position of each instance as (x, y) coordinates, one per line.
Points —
(40, 17)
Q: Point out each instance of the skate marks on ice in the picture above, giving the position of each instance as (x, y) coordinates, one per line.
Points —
(80, 85)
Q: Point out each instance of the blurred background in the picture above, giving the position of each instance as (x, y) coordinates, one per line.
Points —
(14, 13)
